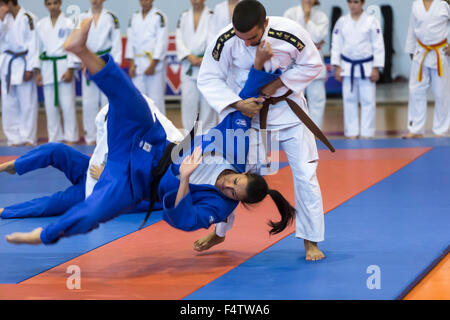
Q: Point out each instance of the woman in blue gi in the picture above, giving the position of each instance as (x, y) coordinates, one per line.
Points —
(191, 199)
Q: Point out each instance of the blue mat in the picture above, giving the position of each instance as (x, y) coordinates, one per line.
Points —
(401, 226)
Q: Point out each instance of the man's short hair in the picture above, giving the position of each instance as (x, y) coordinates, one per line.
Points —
(247, 14)
(14, 2)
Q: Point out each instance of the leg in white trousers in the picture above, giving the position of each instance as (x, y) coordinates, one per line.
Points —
(193, 103)
(317, 97)
(417, 107)
(93, 99)
(364, 91)
(154, 87)
(19, 113)
(67, 106)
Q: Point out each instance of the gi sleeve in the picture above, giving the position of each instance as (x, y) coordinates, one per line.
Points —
(290, 14)
(307, 63)
(31, 43)
(162, 39)
(336, 44)
(116, 39)
(377, 44)
(182, 50)
(129, 50)
(212, 78)
(318, 29)
(410, 46)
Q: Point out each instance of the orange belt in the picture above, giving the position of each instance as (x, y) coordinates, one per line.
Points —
(428, 48)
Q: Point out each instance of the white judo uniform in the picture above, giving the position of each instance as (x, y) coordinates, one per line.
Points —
(220, 19)
(427, 37)
(222, 75)
(143, 47)
(19, 98)
(104, 37)
(191, 41)
(100, 154)
(54, 63)
(357, 47)
(317, 27)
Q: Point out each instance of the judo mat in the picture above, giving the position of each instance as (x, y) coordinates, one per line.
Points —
(387, 218)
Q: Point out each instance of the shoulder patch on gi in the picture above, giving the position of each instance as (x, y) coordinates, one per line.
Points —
(179, 18)
(30, 21)
(220, 43)
(211, 11)
(115, 19)
(163, 23)
(288, 37)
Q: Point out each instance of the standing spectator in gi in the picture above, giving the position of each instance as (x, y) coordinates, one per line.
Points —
(148, 39)
(192, 39)
(57, 74)
(357, 53)
(316, 22)
(222, 14)
(18, 60)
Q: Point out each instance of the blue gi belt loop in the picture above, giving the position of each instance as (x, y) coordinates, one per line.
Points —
(14, 56)
(354, 64)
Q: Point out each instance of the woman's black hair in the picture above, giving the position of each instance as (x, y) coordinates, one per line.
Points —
(247, 14)
(257, 190)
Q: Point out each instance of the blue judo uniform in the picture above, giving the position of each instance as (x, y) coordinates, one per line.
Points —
(135, 146)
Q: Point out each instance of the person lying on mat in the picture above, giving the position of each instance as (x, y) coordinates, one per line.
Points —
(139, 166)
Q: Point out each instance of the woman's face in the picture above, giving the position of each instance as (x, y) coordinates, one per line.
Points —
(355, 6)
(234, 186)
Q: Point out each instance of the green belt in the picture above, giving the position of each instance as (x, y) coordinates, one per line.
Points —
(189, 71)
(54, 60)
(99, 53)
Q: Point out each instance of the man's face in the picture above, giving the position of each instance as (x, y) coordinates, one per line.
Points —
(252, 37)
(146, 4)
(97, 3)
(53, 6)
(197, 3)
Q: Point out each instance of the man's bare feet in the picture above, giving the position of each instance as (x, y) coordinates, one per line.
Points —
(33, 237)
(1, 211)
(8, 167)
(413, 136)
(76, 42)
(208, 242)
(312, 251)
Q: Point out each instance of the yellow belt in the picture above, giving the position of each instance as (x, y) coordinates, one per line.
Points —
(147, 54)
(428, 48)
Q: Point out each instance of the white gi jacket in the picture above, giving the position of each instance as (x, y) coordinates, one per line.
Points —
(149, 35)
(51, 41)
(105, 35)
(357, 40)
(19, 35)
(227, 63)
(430, 28)
(190, 41)
(220, 19)
(317, 26)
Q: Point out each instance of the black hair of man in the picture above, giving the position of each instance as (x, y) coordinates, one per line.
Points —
(247, 14)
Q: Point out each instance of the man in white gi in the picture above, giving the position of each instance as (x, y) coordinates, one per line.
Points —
(104, 37)
(18, 59)
(147, 43)
(56, 74)
(316, 22)
(223, 73)
(192, 40)
(222, 14)
(357, 53)
(427, 43)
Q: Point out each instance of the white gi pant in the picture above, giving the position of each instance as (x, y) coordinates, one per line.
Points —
(364, 91)
(67, 106)
(193, 103)
(19, 113)
(317, 98)
(295, 141)
(417, 107)
(93, 99)
(154, 87)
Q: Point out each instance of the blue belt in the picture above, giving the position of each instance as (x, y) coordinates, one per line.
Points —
(14, 55)
(354, 64)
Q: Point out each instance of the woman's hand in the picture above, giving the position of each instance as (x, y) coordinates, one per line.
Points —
(375, 75)
(96, 172)
(263, 53)
(337, 73)
(190, 163)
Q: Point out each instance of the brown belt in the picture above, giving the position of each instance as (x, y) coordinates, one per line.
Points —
(298, 112)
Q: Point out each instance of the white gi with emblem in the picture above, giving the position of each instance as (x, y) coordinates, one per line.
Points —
(317, 26)
(51, 39)
(221, 80)
(103, 36)
(19, 105)
(220, 19)
(358, 40)
(148, 40)
(430, 28)
(193, 41)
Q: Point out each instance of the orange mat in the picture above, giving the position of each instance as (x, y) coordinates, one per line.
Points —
(158, 262)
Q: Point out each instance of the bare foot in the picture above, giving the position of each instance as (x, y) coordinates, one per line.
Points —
(76, 42)
(208, 242)
(352, 137)
(33, 237)
(8, 167)
(1, 211)
(313, 252)
(413, 136)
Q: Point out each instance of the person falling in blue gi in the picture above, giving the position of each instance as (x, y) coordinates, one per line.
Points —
(136, 145)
